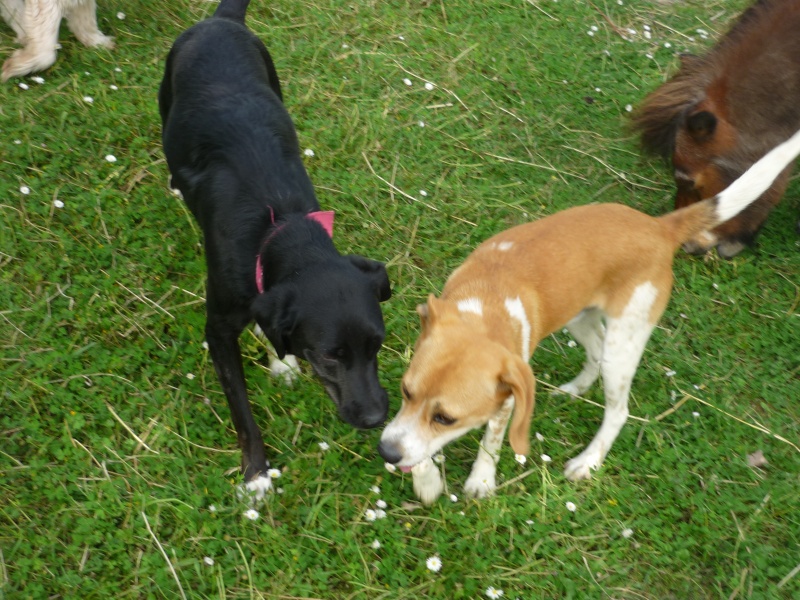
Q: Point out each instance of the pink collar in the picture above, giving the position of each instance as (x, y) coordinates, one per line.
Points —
(323, 217)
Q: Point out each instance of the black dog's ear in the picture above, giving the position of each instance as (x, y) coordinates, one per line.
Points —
(376, 271)
(275, 311)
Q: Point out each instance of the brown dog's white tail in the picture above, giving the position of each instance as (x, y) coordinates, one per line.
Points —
(686, 223)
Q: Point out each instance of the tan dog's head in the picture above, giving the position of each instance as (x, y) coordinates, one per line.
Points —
(458, 379)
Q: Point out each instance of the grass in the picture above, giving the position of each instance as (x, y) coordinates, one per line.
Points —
(116, 441)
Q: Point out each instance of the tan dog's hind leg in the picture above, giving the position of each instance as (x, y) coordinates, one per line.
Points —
(587, 328)
(40, 23)
(481, 481)
(626, 338)
(82, 21)
(428, 485)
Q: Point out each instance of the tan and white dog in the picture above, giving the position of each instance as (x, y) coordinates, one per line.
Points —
(574, 269)
(36, 24)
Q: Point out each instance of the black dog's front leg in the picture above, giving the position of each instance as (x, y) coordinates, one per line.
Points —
(223, 343)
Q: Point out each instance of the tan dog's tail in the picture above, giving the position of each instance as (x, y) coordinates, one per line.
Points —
(688, 222)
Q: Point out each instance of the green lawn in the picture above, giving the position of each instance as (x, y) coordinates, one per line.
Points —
(115, 439)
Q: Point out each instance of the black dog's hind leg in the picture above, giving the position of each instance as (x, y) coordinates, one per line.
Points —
(223, 344)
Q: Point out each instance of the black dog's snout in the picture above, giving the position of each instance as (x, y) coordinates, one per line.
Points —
(389, 452)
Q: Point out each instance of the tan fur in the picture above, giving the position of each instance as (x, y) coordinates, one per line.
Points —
(36, 24)
(572, 269)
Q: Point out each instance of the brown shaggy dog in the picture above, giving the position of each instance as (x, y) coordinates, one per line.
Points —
(724, 110)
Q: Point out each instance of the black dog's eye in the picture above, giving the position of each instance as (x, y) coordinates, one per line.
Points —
(336, 353)
(443, 419)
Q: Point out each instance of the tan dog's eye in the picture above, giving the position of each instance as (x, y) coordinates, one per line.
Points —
(406, 393)
(443, 419)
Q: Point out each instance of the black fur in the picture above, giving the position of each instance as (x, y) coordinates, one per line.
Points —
(233, 152)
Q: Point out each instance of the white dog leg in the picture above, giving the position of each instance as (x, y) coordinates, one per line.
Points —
(481, 481)
(624, 344)
(587, 328)
(13, 14)
(82, 21)
(40, 21)
(428, 484)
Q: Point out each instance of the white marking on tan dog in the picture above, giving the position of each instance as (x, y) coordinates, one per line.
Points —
(36, 24)
(471, 305)
(505, 246)
(614, 263)
(517, 311)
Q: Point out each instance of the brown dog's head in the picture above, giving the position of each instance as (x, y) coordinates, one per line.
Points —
(458, 379)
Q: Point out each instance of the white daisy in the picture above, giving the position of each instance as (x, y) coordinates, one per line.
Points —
(58, 203)
(571, 506)
(88, 99)
(308, 152)
(492, 592)
(626, 533)
(37, 79)
(251, 514)
(539, 437)
(390, 467)
(23, 86)
(24, 189)
(453, 498)
(375, 489)
(434, 563)
(324, 446)
(209, 561)
(375, 544)
(546, 458)
(407, 81)
(274, 473)
(428, 86)
(111, 158)
(370, 515)
(520, 458)
(381, 504)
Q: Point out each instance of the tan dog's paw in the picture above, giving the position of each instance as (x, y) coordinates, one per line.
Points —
(581, 466)
(428, 484)
(481, 482)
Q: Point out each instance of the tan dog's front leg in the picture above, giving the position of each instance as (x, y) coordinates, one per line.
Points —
(481, 481)
(428, 484)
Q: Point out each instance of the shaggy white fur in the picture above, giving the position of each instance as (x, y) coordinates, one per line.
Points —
(36, 24)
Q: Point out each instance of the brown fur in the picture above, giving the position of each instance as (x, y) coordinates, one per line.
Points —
(724, 110)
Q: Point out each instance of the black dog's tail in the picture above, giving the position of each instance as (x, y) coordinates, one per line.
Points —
(232, 9)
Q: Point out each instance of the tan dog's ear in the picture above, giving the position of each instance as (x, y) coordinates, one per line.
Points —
(518, 377)
(427, 312)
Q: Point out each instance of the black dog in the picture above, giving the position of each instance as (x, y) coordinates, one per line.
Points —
(233, 153)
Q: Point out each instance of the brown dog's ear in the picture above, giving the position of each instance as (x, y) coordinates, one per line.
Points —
(427, 312)
(518, 378)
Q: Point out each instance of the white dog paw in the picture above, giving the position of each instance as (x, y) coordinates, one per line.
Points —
(567, 388)
(256, 489)
(288, 368)
(428, 484)
(481, 481)
(581, 466)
